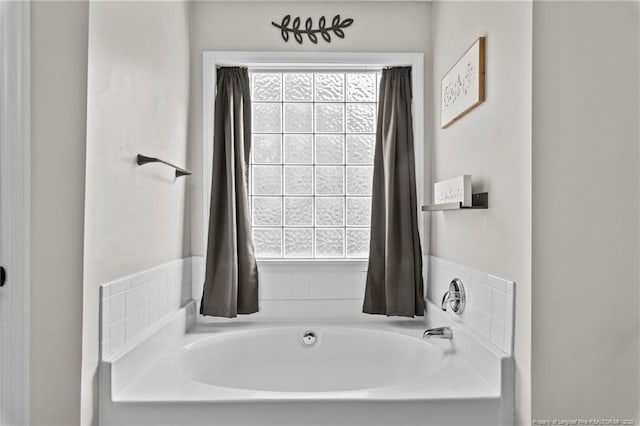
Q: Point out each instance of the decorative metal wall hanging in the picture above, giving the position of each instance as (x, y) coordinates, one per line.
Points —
(336, 27)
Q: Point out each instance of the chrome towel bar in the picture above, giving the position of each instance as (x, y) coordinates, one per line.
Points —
(143, 159)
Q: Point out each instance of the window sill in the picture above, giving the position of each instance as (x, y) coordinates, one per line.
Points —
(313, 264)
(309, 260)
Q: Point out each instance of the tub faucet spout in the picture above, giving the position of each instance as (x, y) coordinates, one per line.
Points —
(439, 332)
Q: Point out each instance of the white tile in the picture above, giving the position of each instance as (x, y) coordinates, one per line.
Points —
(185, 271)
(266, 290)
(300, 289)
(426, 267)
(174, 284)
(156, 289)
(509, 307)
(288, 277)
(105, 348)
(335, 289)
(356, 288)
(185, 292)
(131, 297)
(480, 297)
(508, 339)
(135, 293)
(282, 289)
(172, 290)
(105, 319)
(117, 308)
(430, 262)
(105, 291)
(144, 319)
(163, 305)
(510, 286)
(117, 336)
(150, 293)
(145, 294)
(174, 298)
(498, 304)
(481, 322)
(497, 332)
(467, 316)
(120, 286)
(509, 324)
(144, 298)
(318, 290)
(443, 278)
(478, 277)
(313, 279)
(490, 299)
(132, 327)
(430, 285)
(434, 278)
(142, 295)
(153, 273)
(266, 277)
(154, 312)
(163, 285)
(497, 283)
(197, 275)
(162, 270)
(136, 280)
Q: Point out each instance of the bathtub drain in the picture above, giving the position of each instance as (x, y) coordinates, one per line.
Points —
(309, 338)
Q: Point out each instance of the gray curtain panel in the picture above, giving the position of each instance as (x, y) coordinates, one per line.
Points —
(231, 278)
(394, 278)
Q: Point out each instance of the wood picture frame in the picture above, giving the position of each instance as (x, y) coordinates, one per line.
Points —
(462, 88)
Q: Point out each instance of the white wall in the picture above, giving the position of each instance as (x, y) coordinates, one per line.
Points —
(585, 210)
(138, 91)
(58, 132)
(583, 256)
(245, 26)
(493, 144)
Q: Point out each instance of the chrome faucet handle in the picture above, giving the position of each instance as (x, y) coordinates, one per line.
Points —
(439, 332)
(455, 297)
(445, 299)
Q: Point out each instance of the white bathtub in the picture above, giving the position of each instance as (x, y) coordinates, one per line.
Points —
(341, 360)
(377, 372)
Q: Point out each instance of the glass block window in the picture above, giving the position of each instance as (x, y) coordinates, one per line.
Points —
(311, 164)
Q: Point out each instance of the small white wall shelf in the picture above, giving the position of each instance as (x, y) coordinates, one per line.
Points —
(478, 201)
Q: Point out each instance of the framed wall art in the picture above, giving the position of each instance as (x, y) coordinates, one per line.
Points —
(462, 88)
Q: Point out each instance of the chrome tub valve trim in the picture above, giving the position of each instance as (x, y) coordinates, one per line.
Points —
(455, 297)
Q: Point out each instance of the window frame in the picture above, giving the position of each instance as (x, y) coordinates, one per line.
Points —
(317, 61)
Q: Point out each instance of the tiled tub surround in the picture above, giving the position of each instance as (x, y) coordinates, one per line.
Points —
(133, 306)
(489, 312)
(293, 289)
(147, 381)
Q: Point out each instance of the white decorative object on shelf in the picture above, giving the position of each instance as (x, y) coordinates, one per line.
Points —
(457, 189)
